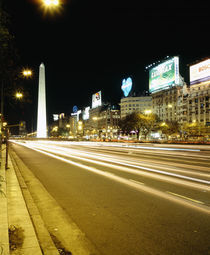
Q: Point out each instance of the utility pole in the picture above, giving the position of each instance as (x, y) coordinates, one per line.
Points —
(1, 119)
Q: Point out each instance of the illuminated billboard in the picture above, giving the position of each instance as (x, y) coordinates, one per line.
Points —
(85, 113)
(126, 86)
(164, 75)
(96, 99)
(200, 72)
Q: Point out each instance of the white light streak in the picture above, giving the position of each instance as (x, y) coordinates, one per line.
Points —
(130, 183)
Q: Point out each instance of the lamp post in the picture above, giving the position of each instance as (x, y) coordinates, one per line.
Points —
(51, 6)
(27, 73)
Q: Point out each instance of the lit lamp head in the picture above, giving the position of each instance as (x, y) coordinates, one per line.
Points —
(51, 6)
(19, 95)
(27, 73)
(147, 112)
(51, 2)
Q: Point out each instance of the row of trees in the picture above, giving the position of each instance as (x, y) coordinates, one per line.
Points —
(144, 124)
(11, 79)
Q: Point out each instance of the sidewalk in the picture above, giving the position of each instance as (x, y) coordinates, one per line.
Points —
(4, 237)
(13, 211)
(26, 204)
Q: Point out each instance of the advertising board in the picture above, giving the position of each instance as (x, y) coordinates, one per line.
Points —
(164, 75)
(200, 72)
(126, 86)
(85, 113)
(96, 99)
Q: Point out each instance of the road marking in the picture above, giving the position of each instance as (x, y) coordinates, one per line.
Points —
(132, 184)
(125, 167)
(188, 198)
(141, 183)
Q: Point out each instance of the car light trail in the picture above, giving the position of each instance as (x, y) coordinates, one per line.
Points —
(132, 184)
(69, 154)
(188, 198)
(152, 173)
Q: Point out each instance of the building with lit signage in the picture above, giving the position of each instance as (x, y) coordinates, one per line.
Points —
(194, 100)
(165, 84)
(135, 104)
(102, 122)
(186, 103)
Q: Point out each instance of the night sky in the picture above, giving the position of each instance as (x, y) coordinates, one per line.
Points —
(91, 46)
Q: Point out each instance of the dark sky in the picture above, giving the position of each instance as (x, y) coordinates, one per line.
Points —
(92, 45)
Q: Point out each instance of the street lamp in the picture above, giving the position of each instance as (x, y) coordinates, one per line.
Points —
(51, 6)
(27, 73)
(51, 2)
(148, 112)
(19, 95)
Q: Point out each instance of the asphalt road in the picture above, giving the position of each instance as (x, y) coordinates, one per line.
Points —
(129, 199)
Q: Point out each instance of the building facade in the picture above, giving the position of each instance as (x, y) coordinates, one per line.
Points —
(108, 122)
(194, 104)
(135, 104)
(165, 103)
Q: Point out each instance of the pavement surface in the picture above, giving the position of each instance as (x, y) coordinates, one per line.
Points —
(14, 213)
(127, 200)
(25, 204)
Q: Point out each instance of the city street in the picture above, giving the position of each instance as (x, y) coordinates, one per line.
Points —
(129, 199)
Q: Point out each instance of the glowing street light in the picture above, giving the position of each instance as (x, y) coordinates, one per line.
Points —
(51, 6)
(163, 124)
(27, 73)
(49, 3)
(19, 95)
(148, 111)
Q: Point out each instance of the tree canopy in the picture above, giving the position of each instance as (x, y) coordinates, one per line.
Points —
(140, 123)
(8, 53)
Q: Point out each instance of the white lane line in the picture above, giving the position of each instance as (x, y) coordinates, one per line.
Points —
(137, 182)
(141, 188)
(188, 198)
(151, 172)
(188, 178)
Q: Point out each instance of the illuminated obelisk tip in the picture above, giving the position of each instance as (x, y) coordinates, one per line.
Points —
(41, 115)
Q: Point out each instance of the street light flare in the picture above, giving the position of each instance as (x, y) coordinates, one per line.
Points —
(19, 95)
(51, 2)
(51, 6)
(27, 73)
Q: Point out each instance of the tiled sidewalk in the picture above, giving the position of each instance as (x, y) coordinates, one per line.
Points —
(13, 211)
(4, 238)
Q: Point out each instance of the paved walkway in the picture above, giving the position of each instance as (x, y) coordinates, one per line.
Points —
(13, 211)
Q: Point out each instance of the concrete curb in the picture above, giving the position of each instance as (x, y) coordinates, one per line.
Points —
(45, 241)
(58, 223)
(4, 237)
(18, 214)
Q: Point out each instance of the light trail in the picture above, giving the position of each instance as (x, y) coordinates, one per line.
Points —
(105, 158)
(151, 173)
(70, 151)
(130, 183)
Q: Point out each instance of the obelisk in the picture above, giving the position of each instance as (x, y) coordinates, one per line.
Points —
(41, 115)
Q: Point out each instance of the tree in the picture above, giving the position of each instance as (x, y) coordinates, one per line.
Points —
(169, 127)
(139, 122)
(149, 123)
(131, 122)
(8, 53)
(195, 130)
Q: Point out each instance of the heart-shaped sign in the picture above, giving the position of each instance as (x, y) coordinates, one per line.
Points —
(126, 86)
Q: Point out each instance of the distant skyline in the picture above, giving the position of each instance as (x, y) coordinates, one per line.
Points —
(91, 47)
